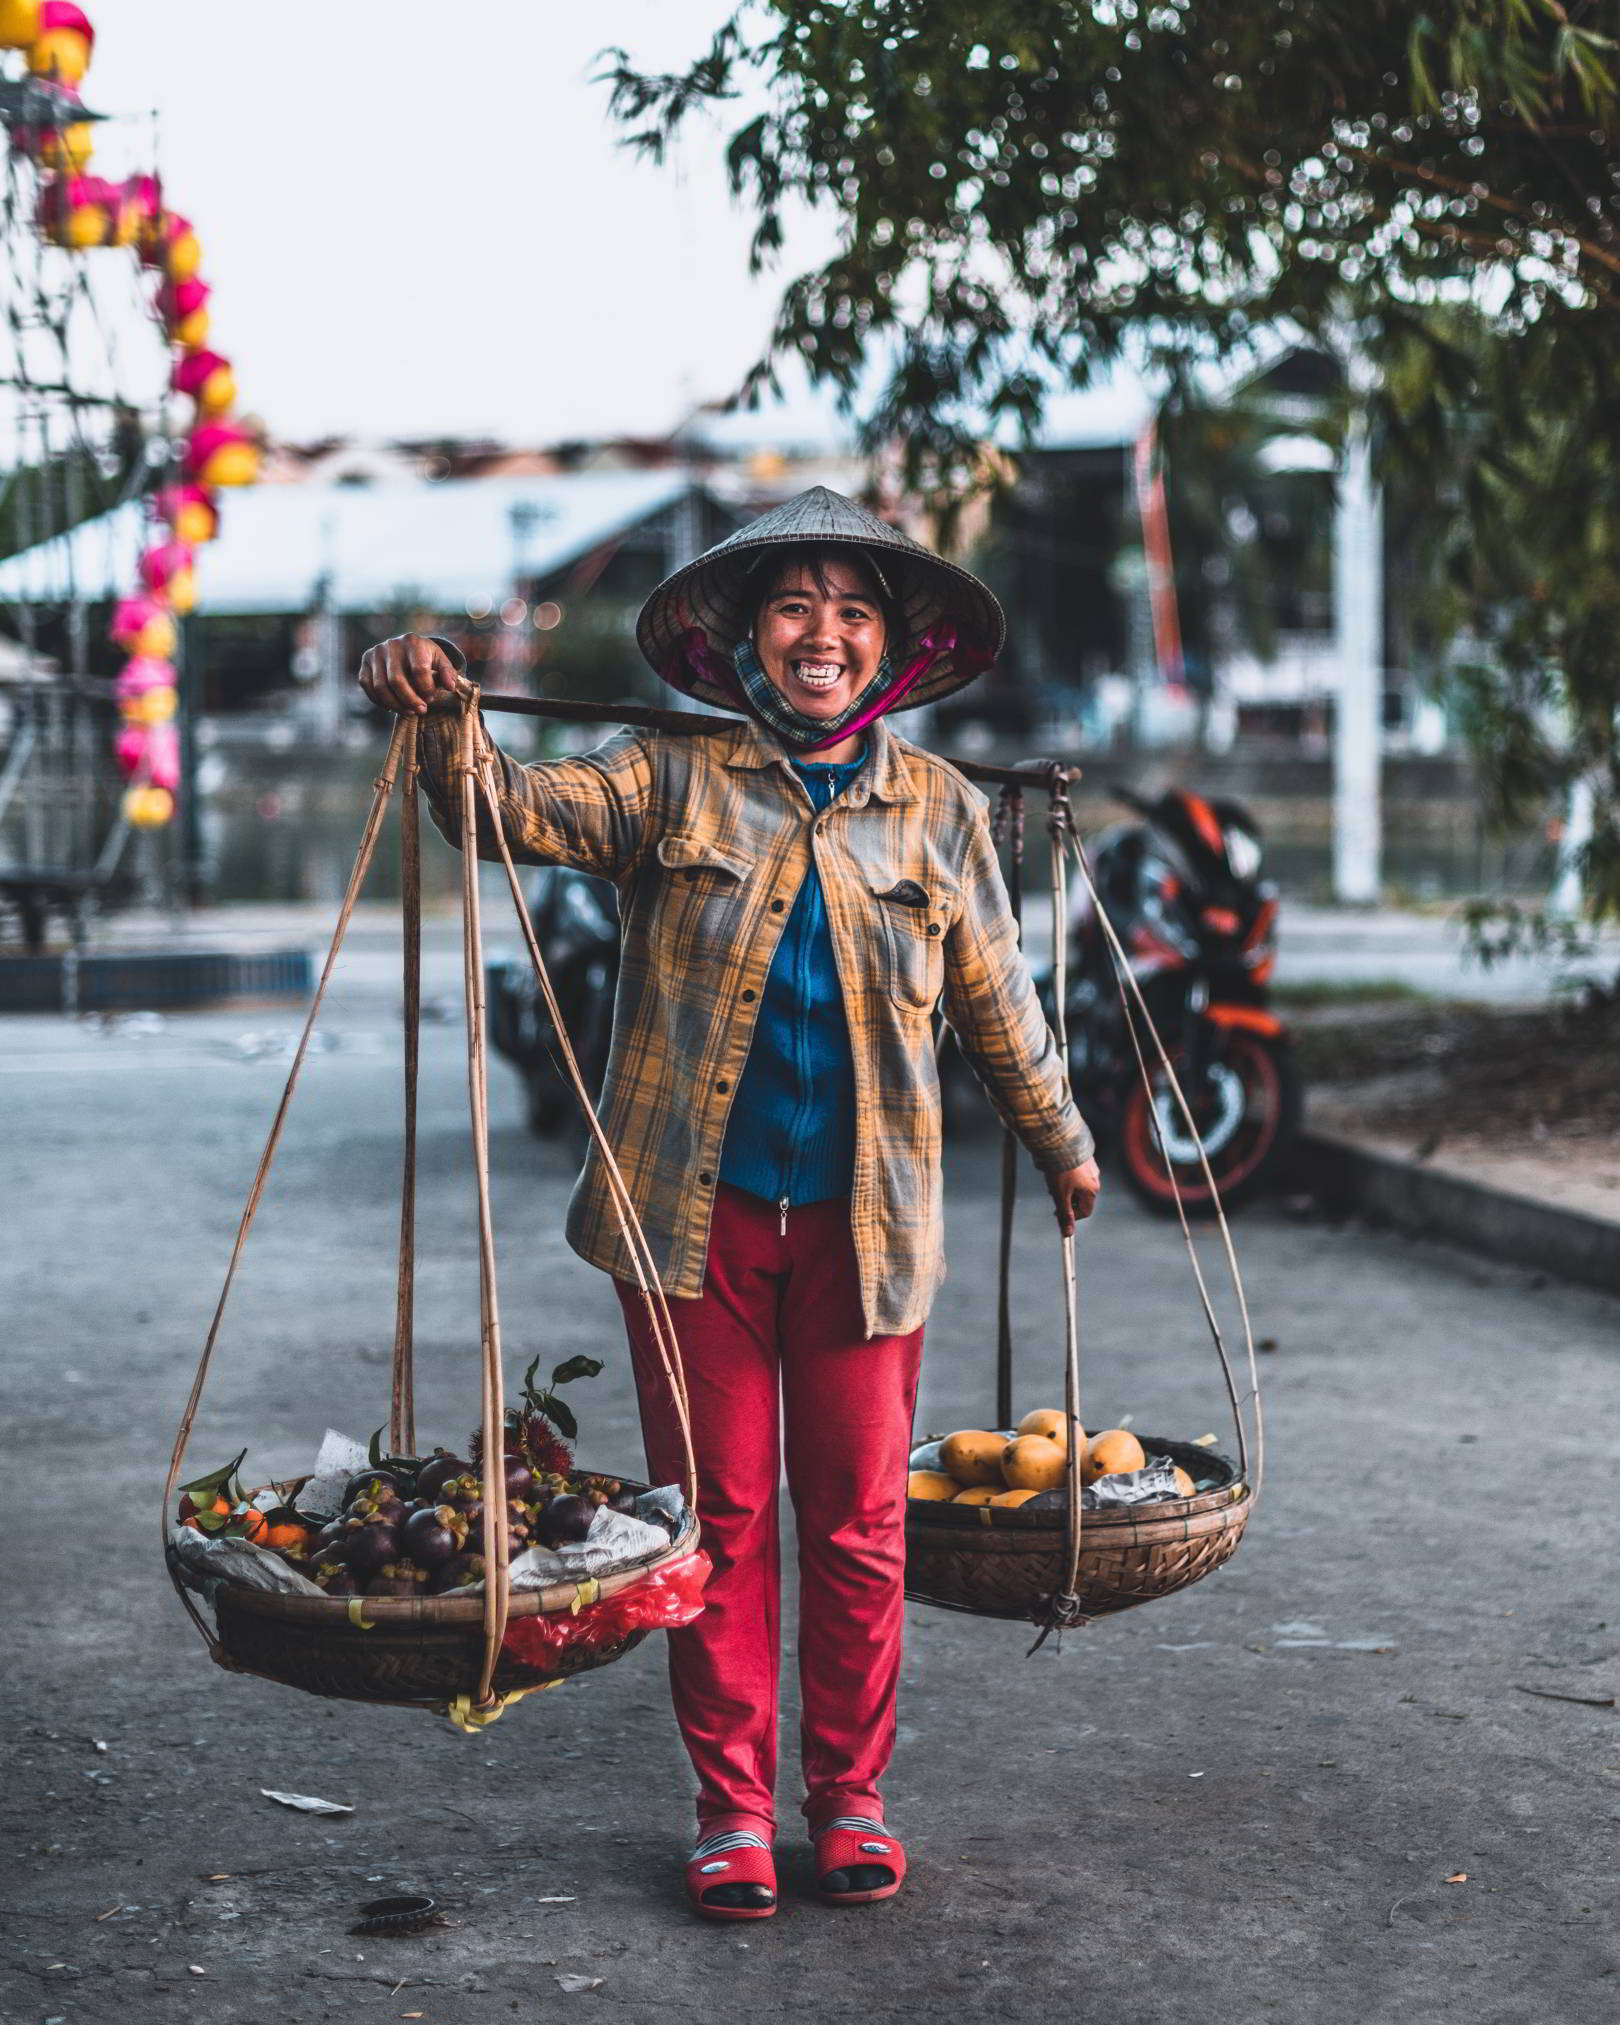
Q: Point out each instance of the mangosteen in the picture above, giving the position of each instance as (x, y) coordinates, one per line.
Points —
(622, 1500)
(371, 1547)
(398, 1578)
(370, 1483)
(334, 1531)
(431, 1535)
(455, 1573)
(566, 1519)
(519, 1478)
(437, 1471)
(341, 1582)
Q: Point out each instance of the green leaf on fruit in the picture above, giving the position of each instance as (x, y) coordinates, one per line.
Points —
(559, 1416)
(221, 1482)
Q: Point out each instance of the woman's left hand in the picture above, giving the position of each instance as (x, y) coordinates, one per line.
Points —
(1075, 1193)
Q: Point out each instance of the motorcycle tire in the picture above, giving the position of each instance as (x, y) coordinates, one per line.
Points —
(1248, 1161)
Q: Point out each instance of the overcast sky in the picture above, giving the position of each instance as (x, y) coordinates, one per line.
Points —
(415, 217)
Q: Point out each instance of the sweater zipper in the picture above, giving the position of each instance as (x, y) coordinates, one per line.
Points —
(783, 1207)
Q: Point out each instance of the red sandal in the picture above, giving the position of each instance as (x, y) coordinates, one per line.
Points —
(733, 1856)
(853, 1843)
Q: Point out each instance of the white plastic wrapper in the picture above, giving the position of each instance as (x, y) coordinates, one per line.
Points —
(226, 1559)
(615, 1538)
(338, 1460)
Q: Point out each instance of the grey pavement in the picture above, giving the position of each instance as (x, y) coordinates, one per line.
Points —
(1334, 1784)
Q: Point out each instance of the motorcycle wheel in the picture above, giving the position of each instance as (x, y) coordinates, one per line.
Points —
(1253, 1117)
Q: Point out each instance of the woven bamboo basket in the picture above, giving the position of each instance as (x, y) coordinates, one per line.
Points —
(1054, 1563)
(446, 1653)
(411, 1652)
(1009, 1561)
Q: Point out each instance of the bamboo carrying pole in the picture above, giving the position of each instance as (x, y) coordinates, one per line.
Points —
(650, 718)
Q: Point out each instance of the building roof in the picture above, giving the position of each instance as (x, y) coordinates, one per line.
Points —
(448, 543)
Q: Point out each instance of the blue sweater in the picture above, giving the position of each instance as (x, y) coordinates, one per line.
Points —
(791, 1133)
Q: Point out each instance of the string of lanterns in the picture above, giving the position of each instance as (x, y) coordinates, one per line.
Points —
(80, 211)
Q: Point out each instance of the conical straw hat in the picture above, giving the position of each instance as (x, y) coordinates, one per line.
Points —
(949, 617)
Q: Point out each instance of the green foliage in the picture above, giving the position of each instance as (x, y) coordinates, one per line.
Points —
(1029, 190)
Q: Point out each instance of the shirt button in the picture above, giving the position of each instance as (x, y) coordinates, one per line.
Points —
(691, 875)
(722, 1085)
(777, 906)
(705, 1179)
(933, 927)
(748, 997)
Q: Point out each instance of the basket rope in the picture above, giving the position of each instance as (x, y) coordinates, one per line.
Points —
(473, 771)
(1065, 1609)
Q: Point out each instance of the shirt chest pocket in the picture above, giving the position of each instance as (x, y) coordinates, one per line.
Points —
(914, 918)
(699, 897)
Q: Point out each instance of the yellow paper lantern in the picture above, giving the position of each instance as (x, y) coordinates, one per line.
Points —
(217, 394)
(19, 23)
(156, 706)
(61, 53)
(182, 591)
(191, 332)
(232, 464)
(148, 808)
(156, 638)
(67, 148)
(194, 523)
(182, 257)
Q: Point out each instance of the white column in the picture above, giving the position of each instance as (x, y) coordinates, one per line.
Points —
(1358, 616)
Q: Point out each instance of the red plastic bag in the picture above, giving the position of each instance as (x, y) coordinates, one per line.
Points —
(671, 1595)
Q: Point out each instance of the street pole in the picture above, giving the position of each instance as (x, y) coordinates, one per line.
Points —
(1358, 619)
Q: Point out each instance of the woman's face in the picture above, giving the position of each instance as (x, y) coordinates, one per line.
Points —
(819, 643)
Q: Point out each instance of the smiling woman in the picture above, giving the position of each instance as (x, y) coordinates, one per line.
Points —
(799, 889)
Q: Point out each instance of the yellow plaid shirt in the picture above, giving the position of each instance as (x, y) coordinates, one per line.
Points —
(708, 837)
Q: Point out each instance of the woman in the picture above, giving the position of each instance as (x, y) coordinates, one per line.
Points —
(799, 888)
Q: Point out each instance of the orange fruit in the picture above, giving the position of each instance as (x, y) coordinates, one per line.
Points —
(1112, 1453)
(977, 1494)
(287, 1535)
(254, 1525)
(1032, 1463)
(973, 1457)
(931, 1484)
(1184, 1483)
(1047, 1421)
(1013, 1497)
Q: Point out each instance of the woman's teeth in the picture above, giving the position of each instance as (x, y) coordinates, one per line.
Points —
(818, 674)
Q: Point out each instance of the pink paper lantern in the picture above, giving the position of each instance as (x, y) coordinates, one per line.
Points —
(145, 672)
(222, 453)
(129, 748)
(62, 47)
(163, 756)
(161, 564)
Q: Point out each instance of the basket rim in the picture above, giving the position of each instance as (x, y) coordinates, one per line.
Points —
(1234, 1490)
(455, 1612)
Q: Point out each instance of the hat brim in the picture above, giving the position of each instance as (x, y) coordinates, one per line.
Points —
(719, 595)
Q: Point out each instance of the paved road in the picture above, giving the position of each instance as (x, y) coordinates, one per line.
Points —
(1248, 1801)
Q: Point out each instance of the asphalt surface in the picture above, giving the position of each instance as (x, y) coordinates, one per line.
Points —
(1335, 1782)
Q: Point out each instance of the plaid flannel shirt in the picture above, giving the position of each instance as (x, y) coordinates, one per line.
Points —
(708, 837)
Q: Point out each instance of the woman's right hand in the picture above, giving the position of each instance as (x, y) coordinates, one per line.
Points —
(409, 675)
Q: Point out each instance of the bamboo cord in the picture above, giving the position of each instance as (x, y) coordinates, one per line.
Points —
(1009, 823)
(1130, 989)
(402, 1403)
(1066, 1608)
(642, 1262)
(362, 864)
(497, 1576)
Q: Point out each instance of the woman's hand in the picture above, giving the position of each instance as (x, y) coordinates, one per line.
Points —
(409, 674)
(1075, 1193)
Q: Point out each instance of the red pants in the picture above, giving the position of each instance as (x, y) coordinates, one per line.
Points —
(781, 1317)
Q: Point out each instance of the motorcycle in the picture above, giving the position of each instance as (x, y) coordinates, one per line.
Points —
(1182, 887)
(576, 923)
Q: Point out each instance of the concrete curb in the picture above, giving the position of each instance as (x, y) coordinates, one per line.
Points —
(1349, 1175)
